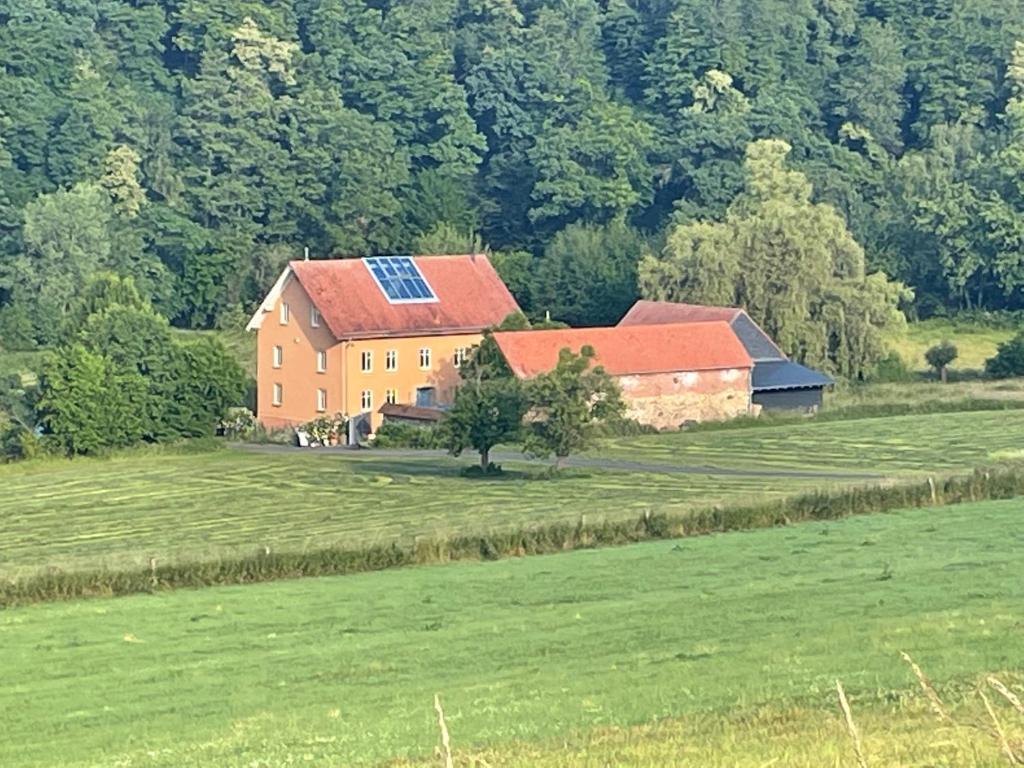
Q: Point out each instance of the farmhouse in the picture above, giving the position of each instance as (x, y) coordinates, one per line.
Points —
(349, 336)
(778, 383)
(669, 373)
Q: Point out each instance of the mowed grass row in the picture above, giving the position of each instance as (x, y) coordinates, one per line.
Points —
(894, 446)
(343, 671)
(121, 512)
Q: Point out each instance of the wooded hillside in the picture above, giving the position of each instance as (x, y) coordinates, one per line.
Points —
(197, 145)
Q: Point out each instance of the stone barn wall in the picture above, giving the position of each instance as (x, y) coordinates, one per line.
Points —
(667, 400)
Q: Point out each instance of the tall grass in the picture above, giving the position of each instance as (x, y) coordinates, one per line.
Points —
(267, 565)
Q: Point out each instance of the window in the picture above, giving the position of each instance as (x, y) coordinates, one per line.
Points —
(278, 356)
(391, 396)
(284, 313)
(321, 400)
(366, 362)
(314, 316)
(461, 353)
(391, 360)
(278, 394)
(425, 358)
(425, 397)
(321, 361)
(367, 399)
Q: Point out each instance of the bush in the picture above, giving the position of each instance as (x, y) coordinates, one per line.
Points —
(238, 423)
(892, 369)
(326, 430)
(1009, 359)
(398, 434)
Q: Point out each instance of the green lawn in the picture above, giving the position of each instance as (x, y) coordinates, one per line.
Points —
(342, 671)
(121, 512)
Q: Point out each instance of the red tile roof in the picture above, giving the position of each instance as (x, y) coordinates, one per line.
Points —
(657, 312)
(470, 296)
(625, 350)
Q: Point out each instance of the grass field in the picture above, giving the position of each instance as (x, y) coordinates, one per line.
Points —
(975, 343)
(893, 446)
(734, 639)
(124, 511)
(121, 512)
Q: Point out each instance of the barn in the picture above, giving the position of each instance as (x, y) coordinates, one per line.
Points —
(670, 374)
(778, 383)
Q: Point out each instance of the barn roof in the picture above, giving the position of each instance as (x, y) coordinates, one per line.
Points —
(468, 297)
(758, 343)
(772, 375)
(625, 350)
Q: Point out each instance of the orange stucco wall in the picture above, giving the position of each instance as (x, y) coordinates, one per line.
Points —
(667, 400)
(344, 380)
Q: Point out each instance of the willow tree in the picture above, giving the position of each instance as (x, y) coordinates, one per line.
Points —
(790, 262)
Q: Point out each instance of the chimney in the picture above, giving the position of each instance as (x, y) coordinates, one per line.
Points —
(306, 254)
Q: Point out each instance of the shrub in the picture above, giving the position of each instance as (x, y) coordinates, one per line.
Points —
(88, 403)
(1009, 359)
(892, 369)
(326, 429)
(398, 434)
(238, 423)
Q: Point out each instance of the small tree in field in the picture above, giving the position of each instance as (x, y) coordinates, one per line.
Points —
(567, 402)
(490, 404)
(486, 412)
(940, 356)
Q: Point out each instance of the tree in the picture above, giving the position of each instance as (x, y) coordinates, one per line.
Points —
(588, 274)
(486, 413)
(940, 356)
(1008, 360)
(67, 240)
(790, 262)
(567, 402)
(87, 403)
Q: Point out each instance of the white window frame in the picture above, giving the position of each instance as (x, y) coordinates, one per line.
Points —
(366, 362)
(425, 358)
(391, 360)
(278, 355)
(314, 317)
(284, 313)
(321, 400)
(460, 356)
(366, 400)
(278, 394)
(321, 361)
(391, 396)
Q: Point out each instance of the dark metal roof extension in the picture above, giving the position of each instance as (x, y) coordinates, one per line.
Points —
(785, 374)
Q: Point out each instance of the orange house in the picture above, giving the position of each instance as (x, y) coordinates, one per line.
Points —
(351, 335)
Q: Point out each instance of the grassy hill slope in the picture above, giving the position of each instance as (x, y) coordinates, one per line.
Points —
(343, 671)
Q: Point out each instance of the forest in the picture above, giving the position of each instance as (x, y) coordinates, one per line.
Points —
(594, 146)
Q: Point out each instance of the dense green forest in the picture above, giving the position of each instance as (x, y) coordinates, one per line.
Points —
(196, 145)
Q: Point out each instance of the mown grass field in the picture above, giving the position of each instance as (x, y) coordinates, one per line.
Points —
(557, 660)
(894, 446)
(121, 512)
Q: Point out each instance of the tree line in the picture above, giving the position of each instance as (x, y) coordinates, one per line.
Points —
(601, 148)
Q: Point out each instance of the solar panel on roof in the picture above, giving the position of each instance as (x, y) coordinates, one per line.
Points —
(400, 280)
